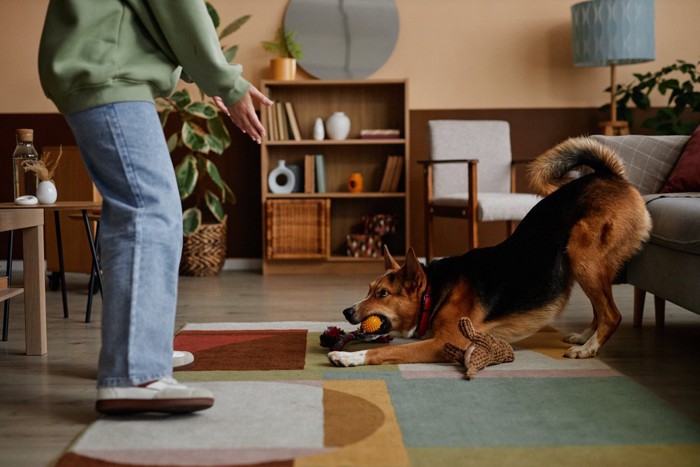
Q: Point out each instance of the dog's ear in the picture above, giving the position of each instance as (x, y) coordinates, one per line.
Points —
(413, 270)
(389, 263)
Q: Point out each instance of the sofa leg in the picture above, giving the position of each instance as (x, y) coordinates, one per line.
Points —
(639, 296)
(660, 310)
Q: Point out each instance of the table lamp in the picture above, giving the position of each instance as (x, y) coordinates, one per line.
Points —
(611, 33)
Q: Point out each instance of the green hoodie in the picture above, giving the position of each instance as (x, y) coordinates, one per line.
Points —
(96, 52)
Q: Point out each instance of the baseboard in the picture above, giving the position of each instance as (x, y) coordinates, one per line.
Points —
(231, 264)
(243, 264)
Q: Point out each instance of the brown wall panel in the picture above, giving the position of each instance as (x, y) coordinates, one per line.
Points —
(532, 132)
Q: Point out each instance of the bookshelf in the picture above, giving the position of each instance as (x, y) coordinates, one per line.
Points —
(370, 105)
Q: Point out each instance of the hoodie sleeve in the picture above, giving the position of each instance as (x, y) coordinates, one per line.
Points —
(183, 28)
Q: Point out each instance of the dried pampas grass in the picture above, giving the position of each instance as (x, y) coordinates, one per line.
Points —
(45, 167)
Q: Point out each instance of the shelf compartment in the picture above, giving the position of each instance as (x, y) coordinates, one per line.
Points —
(298, 229)
(340, 162)
(369, 104)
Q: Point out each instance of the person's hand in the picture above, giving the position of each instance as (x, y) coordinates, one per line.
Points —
(242, 113)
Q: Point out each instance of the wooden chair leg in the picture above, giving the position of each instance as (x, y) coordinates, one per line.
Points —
(473, 233)
(510, 228)
(428, 237)
(660, 311)
(639, 296)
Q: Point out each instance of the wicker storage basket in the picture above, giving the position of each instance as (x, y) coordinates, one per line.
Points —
(204, 252)
(298, 229)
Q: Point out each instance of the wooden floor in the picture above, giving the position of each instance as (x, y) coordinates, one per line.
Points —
(45, 402)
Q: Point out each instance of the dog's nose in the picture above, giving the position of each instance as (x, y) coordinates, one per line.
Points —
(349, 314)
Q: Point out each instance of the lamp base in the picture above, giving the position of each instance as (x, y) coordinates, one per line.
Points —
(615, 128)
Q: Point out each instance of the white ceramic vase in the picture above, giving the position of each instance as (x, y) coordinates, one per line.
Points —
(319, 132)
(338, 126)
(281, 171)
(46, 192)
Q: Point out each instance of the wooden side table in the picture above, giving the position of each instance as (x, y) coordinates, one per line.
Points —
(31, 223)
(84, 207)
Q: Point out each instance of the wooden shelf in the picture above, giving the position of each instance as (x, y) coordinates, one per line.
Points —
(6, 294)
(369, 104)
(336, 195)
(329, 142)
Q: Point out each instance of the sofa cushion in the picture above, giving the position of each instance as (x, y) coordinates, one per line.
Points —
(648, 159)
(676, 221)
(686, 174)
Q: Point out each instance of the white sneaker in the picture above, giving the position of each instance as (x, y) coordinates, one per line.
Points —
(182, 359)
(165, 395)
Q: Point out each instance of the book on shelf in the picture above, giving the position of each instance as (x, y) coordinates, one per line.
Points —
(320, 167)
(392, 174)
(292, 119)
(388, 133)
(270, 123)
(281, 122)
(309, 174)
(282, 132)
(384, 185)
(396, 174)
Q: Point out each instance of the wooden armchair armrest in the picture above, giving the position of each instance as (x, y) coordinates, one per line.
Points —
(426, 163)
(513, 167)
(471, 176)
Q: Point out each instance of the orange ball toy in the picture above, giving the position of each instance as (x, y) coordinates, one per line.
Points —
(371, 324)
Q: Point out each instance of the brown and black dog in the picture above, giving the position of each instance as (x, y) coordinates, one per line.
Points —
(584, 230)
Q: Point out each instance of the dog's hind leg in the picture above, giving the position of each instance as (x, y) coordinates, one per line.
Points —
(606, 314)
(594, 267)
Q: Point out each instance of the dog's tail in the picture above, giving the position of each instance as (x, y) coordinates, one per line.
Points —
(557, 166)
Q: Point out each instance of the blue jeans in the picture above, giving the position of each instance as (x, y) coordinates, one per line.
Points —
(125, 151)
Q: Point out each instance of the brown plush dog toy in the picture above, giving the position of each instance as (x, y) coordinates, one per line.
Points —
(485, 350)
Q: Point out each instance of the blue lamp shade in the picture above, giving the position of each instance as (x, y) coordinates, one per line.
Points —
(613, 32)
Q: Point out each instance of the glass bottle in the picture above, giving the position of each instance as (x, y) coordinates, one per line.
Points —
(24, 182)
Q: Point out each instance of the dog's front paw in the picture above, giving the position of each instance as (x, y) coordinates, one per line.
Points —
(347, 358)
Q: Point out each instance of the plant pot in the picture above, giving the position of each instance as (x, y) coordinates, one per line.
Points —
(283, 69)
(204, 252)
(46, 192)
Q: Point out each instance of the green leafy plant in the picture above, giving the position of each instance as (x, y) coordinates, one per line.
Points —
(204, 135)
(679, 80)
(284, 44)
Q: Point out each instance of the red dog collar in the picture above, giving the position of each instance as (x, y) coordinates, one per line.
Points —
(425, 313)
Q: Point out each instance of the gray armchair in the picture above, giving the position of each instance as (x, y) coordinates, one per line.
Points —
(477, 196)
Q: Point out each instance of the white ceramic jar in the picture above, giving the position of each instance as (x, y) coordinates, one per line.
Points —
(46, 192)
(338, 126)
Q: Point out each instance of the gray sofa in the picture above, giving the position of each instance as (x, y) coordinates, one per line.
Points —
(669, 264)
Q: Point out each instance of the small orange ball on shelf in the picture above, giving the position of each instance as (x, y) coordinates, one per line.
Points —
(371, 324)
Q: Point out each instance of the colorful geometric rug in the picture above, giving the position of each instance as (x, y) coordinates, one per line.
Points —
(280, 403)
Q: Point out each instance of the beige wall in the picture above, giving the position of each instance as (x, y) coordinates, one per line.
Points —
(456, 53)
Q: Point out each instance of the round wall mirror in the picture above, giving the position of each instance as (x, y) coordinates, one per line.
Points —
(343, 39)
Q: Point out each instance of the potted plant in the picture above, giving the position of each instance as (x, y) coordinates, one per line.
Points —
(284, 67)
(202, 136)
(679, 117)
